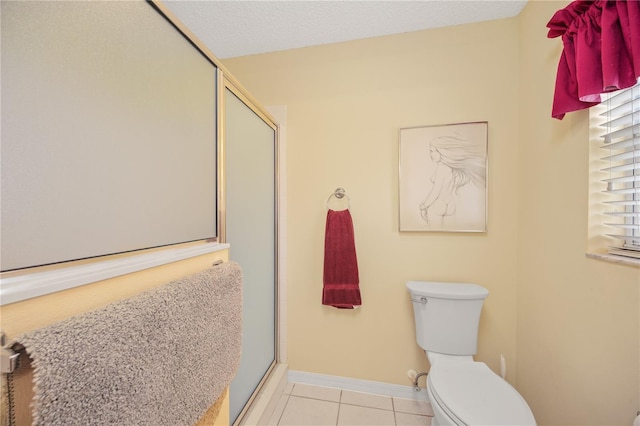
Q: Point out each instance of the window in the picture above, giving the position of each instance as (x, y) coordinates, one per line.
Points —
(618, 171)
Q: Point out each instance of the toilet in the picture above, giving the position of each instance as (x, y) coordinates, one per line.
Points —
(461, 391)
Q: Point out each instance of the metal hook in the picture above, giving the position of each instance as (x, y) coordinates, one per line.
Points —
(8, 358)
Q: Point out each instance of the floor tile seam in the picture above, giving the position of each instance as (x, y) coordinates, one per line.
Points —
(398, 410)
(412, 412)
(315, 398)
(366, 406)
(346, 403)
(284, 409)
(393, 410)
(339, 402)
(395, 422)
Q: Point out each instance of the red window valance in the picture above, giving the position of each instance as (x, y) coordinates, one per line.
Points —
(601, 51)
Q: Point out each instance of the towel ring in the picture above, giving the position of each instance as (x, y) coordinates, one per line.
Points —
(339, 193)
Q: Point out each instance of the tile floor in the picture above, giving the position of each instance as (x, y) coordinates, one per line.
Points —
(302, 405)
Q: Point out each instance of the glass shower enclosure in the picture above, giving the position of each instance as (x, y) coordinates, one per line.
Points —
(250, 173)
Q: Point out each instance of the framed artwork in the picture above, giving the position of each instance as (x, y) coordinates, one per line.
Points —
(443, 178)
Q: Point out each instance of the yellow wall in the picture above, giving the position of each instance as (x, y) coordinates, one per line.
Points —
(572, 323)
(578, 330)
(345, 103)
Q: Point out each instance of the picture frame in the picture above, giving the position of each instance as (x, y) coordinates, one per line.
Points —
(443, 178)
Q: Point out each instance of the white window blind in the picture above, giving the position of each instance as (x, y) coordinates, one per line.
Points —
(621, 158)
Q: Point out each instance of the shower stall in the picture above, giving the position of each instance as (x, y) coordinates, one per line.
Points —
(250, 174)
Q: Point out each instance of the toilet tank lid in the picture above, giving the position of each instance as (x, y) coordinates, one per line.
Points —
(441, 290)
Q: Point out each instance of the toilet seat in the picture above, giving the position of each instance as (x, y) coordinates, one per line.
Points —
(471, 394)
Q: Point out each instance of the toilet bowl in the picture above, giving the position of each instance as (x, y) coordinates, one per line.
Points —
(469, 393)
(461, 390)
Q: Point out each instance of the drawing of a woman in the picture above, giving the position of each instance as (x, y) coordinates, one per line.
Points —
(457, 163)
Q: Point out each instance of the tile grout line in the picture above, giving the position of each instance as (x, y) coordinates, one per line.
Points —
(283, 409)
(341, 401)
(393, 407)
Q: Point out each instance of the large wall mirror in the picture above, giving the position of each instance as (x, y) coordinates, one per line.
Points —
(108, 132)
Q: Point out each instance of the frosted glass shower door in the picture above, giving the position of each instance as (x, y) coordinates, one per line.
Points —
(250, 230)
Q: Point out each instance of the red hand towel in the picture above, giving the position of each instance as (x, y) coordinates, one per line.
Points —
(341, 281)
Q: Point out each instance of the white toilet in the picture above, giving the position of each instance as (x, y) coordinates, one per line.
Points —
(461, 390)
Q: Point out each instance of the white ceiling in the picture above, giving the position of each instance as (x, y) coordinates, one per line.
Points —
(232, 28)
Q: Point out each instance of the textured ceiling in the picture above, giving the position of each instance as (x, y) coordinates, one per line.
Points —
(232, 28)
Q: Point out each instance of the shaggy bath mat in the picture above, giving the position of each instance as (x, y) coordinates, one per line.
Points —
(159, 358)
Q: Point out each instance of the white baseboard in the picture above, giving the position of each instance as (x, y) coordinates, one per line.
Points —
(357, 385)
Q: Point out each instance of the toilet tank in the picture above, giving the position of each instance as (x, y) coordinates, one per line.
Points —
(447, 315)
